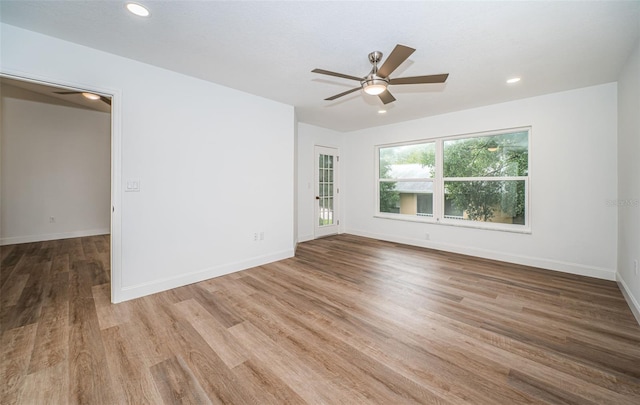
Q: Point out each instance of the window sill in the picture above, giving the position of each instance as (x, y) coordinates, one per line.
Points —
(458, 223)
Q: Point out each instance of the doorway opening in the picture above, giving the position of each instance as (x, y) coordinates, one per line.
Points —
(59, 164)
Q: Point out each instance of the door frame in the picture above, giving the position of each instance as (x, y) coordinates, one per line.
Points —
(336, 194)
(116, 164)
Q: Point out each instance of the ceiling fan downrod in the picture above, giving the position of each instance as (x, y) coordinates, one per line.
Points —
(373, 84)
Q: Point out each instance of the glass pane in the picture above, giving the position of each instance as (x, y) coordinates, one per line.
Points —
(325, 190)
(499, 201)
(408, 161)
(425, 205)
(407, 197)
(389, 198)
(487, 156)
(326, 212)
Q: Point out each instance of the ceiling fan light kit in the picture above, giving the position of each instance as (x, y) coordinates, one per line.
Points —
(374, 85)
(377, 81)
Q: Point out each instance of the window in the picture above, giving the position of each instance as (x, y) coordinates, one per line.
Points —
(406, 179)
(474, 180)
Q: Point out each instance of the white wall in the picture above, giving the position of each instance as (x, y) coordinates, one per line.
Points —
(56, 162)
(573, 175)
(629, 179)
(215, 165)
(310, 136)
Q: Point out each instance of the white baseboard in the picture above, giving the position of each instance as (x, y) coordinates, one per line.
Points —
(566, 267)
(305, 238)
(141, 290)
(626, 292)
(14, 240)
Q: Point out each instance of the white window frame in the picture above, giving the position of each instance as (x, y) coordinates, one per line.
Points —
(439, 181)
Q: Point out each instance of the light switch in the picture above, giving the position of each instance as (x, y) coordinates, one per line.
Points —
(132, 185)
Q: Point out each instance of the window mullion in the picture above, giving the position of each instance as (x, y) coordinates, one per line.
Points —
(438, 184)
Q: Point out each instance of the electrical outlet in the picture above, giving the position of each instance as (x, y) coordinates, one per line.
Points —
(255, 237)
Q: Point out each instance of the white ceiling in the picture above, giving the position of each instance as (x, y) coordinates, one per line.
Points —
(269, 48)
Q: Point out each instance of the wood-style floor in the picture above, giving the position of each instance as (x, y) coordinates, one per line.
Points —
(349, 320)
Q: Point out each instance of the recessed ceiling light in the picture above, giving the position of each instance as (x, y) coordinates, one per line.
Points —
(137, 9)
(513, 80)
(382, 111)
(91, 96)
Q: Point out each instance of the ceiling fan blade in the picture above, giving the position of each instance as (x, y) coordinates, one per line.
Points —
(330, 73)
(105, 99)
(386, 97)
(66, 92)
(342, 94)
(420, 79)
(399, 54)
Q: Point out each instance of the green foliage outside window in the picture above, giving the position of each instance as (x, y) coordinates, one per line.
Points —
(504, 155)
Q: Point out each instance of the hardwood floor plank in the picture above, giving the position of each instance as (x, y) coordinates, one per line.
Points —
(46, 386)
(12, 260)
(17, 345)
(51, 345)
(265, 385)
(81, 279)
(89, 378)
(218, 381)
(28, 306)
(177, 384)
(52, 337)
(287, 367)
(132, 377)
(224, 314)
(215, 334)
(60, 264)
(544, 392)
(12, 290)
(109, 315)
(6, 251)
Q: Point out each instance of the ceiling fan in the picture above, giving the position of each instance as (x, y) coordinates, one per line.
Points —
(376, 82)
(90, 96)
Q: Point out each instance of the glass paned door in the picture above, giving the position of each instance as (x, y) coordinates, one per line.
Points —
(326, 220)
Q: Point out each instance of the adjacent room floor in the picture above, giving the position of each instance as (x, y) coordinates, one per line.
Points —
(349, 320)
